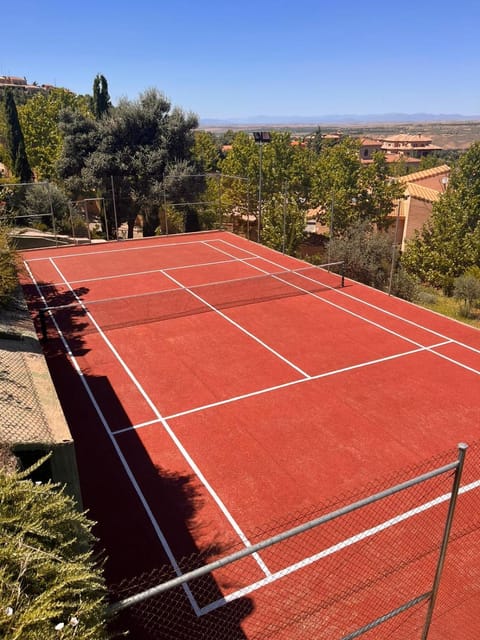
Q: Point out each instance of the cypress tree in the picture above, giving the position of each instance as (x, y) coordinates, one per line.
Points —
(22, 167)
(15, 141)
(101, 98)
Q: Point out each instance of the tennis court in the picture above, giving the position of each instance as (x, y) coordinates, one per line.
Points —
(214, 386)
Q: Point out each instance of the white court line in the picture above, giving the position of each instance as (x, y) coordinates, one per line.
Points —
(118, 451)
(333, 304)
(355, 299)
(333, 549)
(285, 385)
(290, 569)
(130, 247)
(430, 348)
(134, 427)
(143, 273)
(195, 468)
(376, 324)
(238, 326)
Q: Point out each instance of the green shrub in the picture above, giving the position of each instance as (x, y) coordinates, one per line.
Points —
(404, 285)
(426, 296)
(467, 291)
(40, 226)
(50, 586)
(8, 267)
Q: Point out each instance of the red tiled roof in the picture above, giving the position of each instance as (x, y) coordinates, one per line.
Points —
(426, 173)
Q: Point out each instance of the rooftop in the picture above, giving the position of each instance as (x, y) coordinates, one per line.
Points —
(426, 173)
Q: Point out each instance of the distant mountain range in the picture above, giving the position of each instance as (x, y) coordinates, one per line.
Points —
(344, 119)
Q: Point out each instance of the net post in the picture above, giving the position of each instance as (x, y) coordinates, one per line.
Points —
(343, 274)
(43, 323)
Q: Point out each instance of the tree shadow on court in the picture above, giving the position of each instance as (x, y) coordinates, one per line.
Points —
(71, 319)
(135, 559)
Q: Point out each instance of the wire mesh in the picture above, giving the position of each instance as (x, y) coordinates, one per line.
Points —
(331, 580)
(22, 416)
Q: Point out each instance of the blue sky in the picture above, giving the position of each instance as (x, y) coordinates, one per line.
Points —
(225, 59)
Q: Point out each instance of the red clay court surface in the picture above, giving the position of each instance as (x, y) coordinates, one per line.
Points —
(205, 412)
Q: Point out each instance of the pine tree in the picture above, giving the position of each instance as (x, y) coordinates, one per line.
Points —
(50, 585)
(15, 141)
(101, 99)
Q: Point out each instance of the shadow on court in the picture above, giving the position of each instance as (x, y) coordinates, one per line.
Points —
(66, 314)
(135, 559)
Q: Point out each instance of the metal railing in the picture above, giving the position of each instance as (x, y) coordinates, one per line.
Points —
(160, 602)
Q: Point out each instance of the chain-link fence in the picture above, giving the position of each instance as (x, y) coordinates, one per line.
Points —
(22, 417)
(39, 214)
(364, 565)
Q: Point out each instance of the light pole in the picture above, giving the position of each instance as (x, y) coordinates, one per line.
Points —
(394, 249)
(114, 209)
(284, 230)
(261, 137)
(330, 229)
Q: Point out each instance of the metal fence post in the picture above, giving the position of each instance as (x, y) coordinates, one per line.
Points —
(462, 448)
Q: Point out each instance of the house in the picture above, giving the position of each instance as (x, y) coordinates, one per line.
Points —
(20, 83)
(421, 190)
(409, 146)
(368, 148)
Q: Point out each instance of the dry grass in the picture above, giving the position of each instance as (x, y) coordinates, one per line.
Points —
(436, 301)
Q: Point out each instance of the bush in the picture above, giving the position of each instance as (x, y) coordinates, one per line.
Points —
(8, 267)
(74, 225)
(467, 290)
(50, 586)
(367, 254)
(404, 285)
(426, 296)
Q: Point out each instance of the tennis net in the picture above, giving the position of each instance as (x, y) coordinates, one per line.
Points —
(83, 315)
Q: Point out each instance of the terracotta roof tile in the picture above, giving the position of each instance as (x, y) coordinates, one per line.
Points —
(426, 173)
(422, 193)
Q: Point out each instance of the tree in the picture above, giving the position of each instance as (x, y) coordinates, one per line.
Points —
(283, 223)
(315, 141)
(101, 104)
(50, 585)
(283, 167)
(40, 118)
(8, 267)
(449, 242)
(135, 146)
(377, 192)
(15, 141)
(348, 192)
(335, 185)
(80, 137)
(440, 252)
(205, 152)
